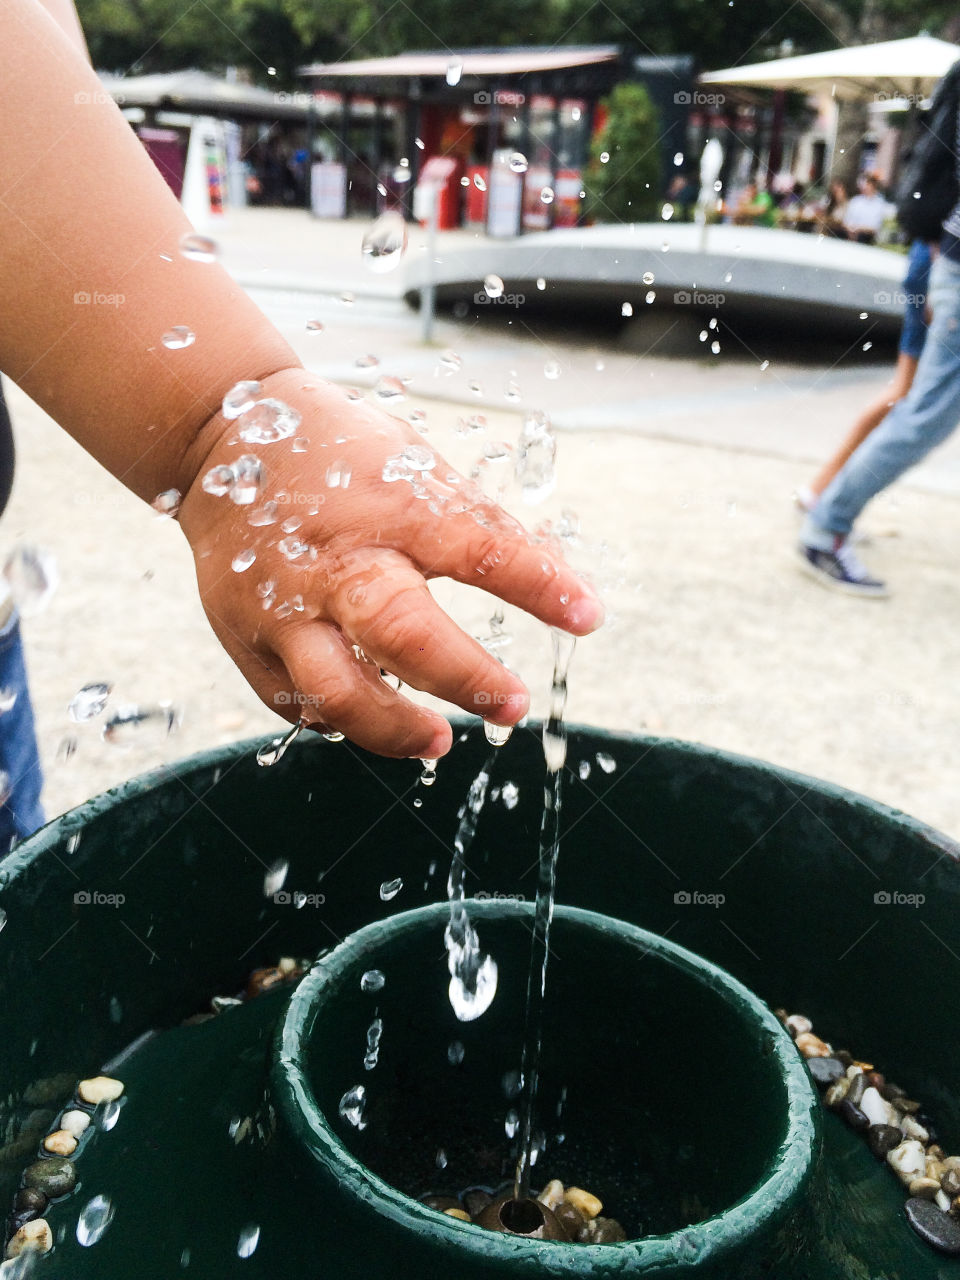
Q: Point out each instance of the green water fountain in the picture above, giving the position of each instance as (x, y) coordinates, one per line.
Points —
(698, 891)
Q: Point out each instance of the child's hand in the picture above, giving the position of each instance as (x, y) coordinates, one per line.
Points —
(351, 575)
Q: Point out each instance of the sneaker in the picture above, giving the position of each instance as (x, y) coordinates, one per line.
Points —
(804, 499)
(840, 570)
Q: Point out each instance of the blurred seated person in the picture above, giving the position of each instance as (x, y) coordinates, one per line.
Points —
(683, 193)
(754, 207)
(831, 211)
(866, 213)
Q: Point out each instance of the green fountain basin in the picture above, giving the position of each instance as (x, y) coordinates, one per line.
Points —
(808, 895)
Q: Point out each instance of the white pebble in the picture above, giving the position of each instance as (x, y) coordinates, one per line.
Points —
(877, 1109)
(910, 1129)
(798, 1025)
(35, 1235)
(75, 1122)
(908, 1160)
(552, 1194)
(99, 1089)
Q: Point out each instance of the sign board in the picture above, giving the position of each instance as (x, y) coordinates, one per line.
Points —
(328, 189)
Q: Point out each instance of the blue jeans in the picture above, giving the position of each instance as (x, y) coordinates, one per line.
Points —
(20, 811)
(924, 418)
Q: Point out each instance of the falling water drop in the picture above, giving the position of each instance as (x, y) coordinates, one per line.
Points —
(455, 1053)
(606, 762)
(268, 421)
(372, 980)
(546, 195)
(352, 1106)
(315, 326)
(178, 337)
(497, 734)
(199, 248)
(626, 309)
(454, 71)
(428, 775)
(390, 888)
(385, 243)
(248, 1241)
(274, 877)
(88, 702)
(95, 1217)
(270, 753)
(648, 277)
(510, 794)
(518, 162)
(512, 1123)
(551, 369)
(374, 1034)
(493, 286)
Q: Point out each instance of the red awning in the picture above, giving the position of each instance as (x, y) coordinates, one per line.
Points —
(506, 63)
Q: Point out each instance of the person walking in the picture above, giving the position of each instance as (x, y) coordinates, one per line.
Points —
(929, 413)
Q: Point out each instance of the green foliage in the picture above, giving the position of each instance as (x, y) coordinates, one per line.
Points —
(626, 187)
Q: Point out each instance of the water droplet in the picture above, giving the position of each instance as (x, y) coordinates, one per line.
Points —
(348, 299)
(107, 1113)
(728, 277)
(648, 277)
(374, 1034)
(300, 445)
(249, 1239)
(606, 762)
(455, 1053)
(518, 162)
(454, 71)
(167, 503)
(66, 749)
(178, 337)
(420, 144)
(315, 326)
(764, 365)
(8, 699)
(294, 548)
(218, 480)
(352, 1105)
(385, 241)
(243, 560)
(479, 183)
(367, 362)
(510, 794)
(140, 726)
(497, 734)
(535, 458)
(651, 296)
(89, 702)
(604, 157)
(291, 524)
(552, 369)
(389, 390)
(390, 888)
(442, 1161)
(718, 185)
(267, 514)
(863, 315)
(428, 775)
(511, 1124)
(269, 420)
(199, 248)
(546, 195)
(715, 348)
(338, 474)
(97, 1214)
(274, 877)
(704, 335)
(33, 576)
(584, 770)
(372, 980)
(419, 458)
(241, 397)
(867, 346)
(73, 843)
(492, 286)
(626, 309)
(450, 360)
(247, 480)
(666, 213)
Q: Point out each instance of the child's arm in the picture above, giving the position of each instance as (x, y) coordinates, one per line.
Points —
(93, 277)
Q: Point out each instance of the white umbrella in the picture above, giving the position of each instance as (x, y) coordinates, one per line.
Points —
(894, 67)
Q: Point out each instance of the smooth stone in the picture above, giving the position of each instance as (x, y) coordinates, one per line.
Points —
(603, 1231)
(837, 1092)
(876, 1081)
(825, 1070)
(857, 1088)
(99, 1089)
(812, 1046)
(798, 1025)
(910, 1129)
(18, 1220)
(441, 1203)
(892, 1091)
(852, 1114)
(876, 1109)
(584, 1201)
(263, 979)
(552, 1194)
(939, 1230)
(882, 1138)
(908, 1160)
(475, 1200)
(924, 1119)
(460, 1214)
(951, 1162)
(950, 1181)
(75, 1122)
(60, 1143)
(844, 1057)
(942, 1201)
(30, 1199)
(53, 1177)
(933, 1168)
(926, 1188)
(907, 1105)
(571, 1219)
(35, 1236)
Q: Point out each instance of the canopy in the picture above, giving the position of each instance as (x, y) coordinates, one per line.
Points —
(896, 68)
(484, 62)
(198, 93)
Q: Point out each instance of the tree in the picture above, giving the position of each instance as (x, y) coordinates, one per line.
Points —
(623, 177)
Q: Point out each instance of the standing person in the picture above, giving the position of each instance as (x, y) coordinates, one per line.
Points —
(931, 410)
(913, 333)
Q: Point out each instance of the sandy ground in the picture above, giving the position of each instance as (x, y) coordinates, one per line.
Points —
(713, 635)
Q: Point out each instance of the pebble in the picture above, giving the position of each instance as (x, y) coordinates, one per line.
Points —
(825, 1071)
(60, 1143)
(75, 1122)
(911, 1129)
(798, 1025)
(603, 1231)
(261, 980)
(837, 1092)
(812, 1046)
(877, 1109)
(951, 1162)
(475, 1200)
(588, 1205)
(939, 1230)
(950, 1181)
(30, 1200)
(99, 1089)
(926, 1188)
(942, 1201)
(907, 1160)
(35, 1236)
(882, 1138)
(852, 1114)
(857, 1087)
(442, 1203)
(552, 1194)
(460, 1214)
(571, 1219)
(52, 1177)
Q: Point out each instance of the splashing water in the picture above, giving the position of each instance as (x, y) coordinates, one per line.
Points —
(167, 504)
(268, 421)
(473, 976)
(352, 1106)
(95, 1218)
(535, 458)
(273, 752)
(390, 888)
(385, 243)
(374, 1034)
(137, 726)
(240, 399)
(274, 877)
(248, 1241)
(372, 980)
(510, 795)
(178, 337)
(555, 754)
(89, 702)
